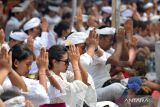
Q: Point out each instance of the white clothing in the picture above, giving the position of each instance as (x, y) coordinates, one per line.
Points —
(91, 91)
(97, 68)
(11, 25)
(100, 73)
(32, 23)
(60, 41)
(40, 42)
(51, 39)
(75, 90)
(1, 90)
(36, 92)
(52, 21)
(18, 101)
(111, 92)
(76, 38)
(104, 103)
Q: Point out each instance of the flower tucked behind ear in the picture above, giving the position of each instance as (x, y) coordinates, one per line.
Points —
(69, 42)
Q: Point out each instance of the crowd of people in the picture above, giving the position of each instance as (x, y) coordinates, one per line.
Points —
(45, 61)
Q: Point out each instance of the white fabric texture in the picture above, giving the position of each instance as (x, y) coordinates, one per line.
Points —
(60, 41)
(106, 31)
(11, 25)
(104, 103)
(76, 38)
(51, 39)
(40, 42)
(99, 70)
(17, 9)
(107, 9)
(91, 91)
(36, 92)
(52, 21)
(18, 101)
(111, 92)
(19, 36)
(75, 90)
(34, 22)
(100, 74)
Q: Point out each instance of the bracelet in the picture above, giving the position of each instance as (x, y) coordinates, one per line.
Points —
(76, 69)
(42, 74)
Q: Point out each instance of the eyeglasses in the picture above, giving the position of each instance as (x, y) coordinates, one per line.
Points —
(66, 61)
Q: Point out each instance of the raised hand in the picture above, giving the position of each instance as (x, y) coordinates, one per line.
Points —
(129, 28)
(74, 54)
(44, 25)
(30, 42)
(93, 39)
(6, 59)
(2, 36)
(74, 57)
(120, 37)
(42, 60)
(133, 42)
(79, 19)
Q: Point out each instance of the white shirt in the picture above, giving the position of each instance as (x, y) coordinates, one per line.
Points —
(1, 90)
(51, 39)
(52, 21)
(75, 90)
(91, 91)
(60, 41)
(40, 42)
(36, 92)
(11, 25)
(97, 68)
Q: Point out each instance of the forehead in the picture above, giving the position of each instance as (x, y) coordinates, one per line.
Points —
(106, 36)
(28, 59)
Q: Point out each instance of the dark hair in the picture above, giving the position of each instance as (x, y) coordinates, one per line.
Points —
(66, 15)
(143, 25)
(27, 30)
(8, 95)
(20, 52)
(56, 52)
(61, 27)
(142, 91)
(107, 20)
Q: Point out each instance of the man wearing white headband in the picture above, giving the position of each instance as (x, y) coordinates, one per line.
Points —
(32, 28)
(40, 39)
(92, 57)
(79, 40)
(15, 21)
(52, 16)
(95, 60)
(16, 37)
(148, 7)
